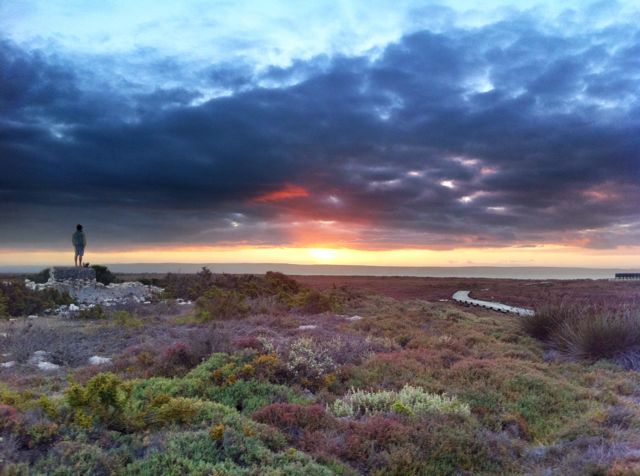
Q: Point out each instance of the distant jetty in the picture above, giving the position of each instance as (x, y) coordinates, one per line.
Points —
(628, 276)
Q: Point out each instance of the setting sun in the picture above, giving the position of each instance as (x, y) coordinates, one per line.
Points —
(323, 254)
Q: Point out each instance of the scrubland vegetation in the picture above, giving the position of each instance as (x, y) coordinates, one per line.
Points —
(583, 330)
(263, 375)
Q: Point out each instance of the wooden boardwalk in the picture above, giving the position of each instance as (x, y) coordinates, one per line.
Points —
(463, 298)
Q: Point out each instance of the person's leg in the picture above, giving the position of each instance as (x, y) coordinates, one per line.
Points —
(75, 259)
(80, 261)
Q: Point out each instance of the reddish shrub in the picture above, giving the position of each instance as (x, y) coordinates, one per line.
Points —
(9, 417)
(292, 418)
(177, 359)
(364, 440)
(247, 342)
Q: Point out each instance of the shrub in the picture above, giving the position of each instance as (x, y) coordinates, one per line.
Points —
(94, 312)
(587, 331)
(548, 318)
(291, 417)
(41, 277)
(410, 400)
(605, 335)
(103, 274)
(308, 359)
(176, 360)
(22, 301)
(281, 283)
(9, 417)
(217, 303)
(314, 302)
(126, 319)
(4, 312)
(104, 398)
(188, 286)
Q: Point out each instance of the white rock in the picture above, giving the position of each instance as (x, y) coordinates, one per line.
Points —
(97, 360)
(32, 316)
(47, 366)
(3, 334)
(73, 307)
(38, 357)
(354, 318)
(6, 365)
(310, 326)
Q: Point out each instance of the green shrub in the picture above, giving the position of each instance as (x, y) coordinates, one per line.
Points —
(218, 303)
(41, 277)
(4, 307)
(187, 286)
(103, 274)
(281, 283)
(103, 398)
(238, 452)
(21, 301)
(126, 319)
(95, 312)
(410, 400)
(314, 302)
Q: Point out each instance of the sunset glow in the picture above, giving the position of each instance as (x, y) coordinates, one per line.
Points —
(548, 255)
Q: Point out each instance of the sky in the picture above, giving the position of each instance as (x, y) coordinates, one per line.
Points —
(380, 132)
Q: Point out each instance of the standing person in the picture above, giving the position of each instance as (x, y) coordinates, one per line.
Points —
(79, 242)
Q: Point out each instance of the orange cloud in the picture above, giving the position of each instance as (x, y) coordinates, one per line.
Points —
(285, 193)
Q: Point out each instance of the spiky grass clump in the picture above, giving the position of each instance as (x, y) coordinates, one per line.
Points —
(606, 335)
(588, 331)
(548, 318)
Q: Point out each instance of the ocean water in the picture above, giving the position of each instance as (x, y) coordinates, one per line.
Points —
(506, 272)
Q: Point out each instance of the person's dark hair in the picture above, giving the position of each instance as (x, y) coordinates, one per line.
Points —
(79, 227)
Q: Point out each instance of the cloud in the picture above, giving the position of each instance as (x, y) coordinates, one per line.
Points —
(532, 131)
(287, 192)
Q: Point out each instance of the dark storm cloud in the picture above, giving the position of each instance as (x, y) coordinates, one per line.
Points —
(505, 134)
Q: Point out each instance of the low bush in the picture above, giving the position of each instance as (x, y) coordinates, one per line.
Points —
(308, 359)
(408, 401)
(314, 302)
(104, 275)
(176, 360)
(548, 318)
(291, 418)
(218, 303)
(4, 306)
(588, 331)
(21, 301)
(187, 286)
(102, 399)
(126, 319)
(614, 336)
(41, 277)
(94, 312)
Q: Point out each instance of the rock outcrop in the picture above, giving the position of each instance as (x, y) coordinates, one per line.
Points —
(82, 286)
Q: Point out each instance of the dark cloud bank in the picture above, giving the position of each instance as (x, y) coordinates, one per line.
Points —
(507, 134)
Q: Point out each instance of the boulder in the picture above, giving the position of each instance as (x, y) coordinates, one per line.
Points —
(64, 273)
